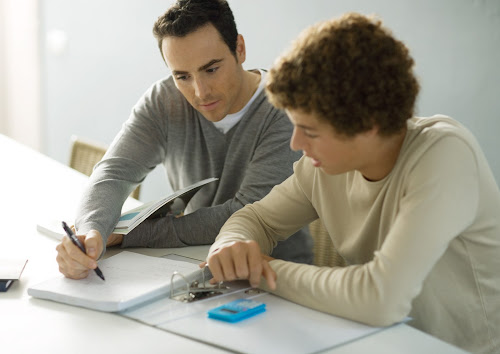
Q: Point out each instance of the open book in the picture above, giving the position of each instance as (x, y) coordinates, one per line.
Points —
(155, 209)
(131, 279)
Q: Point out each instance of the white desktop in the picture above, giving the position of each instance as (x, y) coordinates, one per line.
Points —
(36, 188)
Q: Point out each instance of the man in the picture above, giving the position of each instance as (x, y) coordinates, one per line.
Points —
(410, 203)
(210, 118)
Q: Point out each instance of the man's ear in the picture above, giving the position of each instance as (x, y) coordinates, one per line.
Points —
(241, 53)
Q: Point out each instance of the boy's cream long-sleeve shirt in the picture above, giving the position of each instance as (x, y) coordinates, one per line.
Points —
(423, 242)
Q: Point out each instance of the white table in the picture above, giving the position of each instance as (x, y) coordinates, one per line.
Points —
(36, 187)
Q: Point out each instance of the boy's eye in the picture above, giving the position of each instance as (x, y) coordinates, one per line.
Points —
(309, 135)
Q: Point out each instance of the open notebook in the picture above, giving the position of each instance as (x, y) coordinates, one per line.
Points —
(138, 287)
(131, 279)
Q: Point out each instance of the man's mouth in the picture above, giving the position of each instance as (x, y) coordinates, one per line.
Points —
(209, 106)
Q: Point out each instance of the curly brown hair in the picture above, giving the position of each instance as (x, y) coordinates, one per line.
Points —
(350, 72)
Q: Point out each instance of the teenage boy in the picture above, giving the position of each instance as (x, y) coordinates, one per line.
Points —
(410, 203)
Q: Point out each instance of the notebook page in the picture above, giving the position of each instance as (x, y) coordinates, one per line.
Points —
(131, 278)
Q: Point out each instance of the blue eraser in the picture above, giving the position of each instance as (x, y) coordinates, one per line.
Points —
(237, 310)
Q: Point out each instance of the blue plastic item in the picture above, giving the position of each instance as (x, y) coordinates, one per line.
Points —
(237, 310)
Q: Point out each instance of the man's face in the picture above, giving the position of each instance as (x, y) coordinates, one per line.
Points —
(206, 72)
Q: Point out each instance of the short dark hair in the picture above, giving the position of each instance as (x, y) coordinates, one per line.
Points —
(186, 16)
(349, 71)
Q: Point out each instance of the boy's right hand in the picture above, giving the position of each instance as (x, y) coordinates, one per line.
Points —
(241, 260)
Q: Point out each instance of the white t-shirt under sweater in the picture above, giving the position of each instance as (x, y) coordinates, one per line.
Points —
(229, 121)
(423, 242)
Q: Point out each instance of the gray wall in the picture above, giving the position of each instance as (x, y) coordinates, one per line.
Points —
(110, 58)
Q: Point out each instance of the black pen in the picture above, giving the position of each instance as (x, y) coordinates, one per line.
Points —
(77, 242)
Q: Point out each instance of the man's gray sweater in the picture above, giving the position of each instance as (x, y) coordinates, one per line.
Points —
(251, 158)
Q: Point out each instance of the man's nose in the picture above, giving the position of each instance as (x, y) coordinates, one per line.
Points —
(201, 89)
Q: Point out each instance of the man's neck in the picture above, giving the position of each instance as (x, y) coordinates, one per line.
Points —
(251, 83)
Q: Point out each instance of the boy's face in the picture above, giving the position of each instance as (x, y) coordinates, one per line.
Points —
(328, 150)
(206, 72)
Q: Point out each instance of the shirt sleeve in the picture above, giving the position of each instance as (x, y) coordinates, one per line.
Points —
(270, 163)
(439, 202)
(134, 152)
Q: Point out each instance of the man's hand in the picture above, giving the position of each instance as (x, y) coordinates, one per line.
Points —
(241, 260)
(75, 264)
(114, 239)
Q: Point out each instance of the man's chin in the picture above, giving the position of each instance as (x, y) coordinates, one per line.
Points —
(212, 117)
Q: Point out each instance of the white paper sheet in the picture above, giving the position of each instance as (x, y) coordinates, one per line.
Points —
(131, 278)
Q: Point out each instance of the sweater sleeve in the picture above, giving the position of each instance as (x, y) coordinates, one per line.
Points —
(134, 152)
(270, 163)
(379, 292)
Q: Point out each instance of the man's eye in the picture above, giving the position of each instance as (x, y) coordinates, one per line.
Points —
(212, 70)
(181, 77)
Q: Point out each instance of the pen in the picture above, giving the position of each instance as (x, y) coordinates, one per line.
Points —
(77, 242)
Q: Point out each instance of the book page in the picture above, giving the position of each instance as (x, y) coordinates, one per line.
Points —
(131, 278)
(11, 269)
(295, 329)
(51, 228)
(129, 220)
